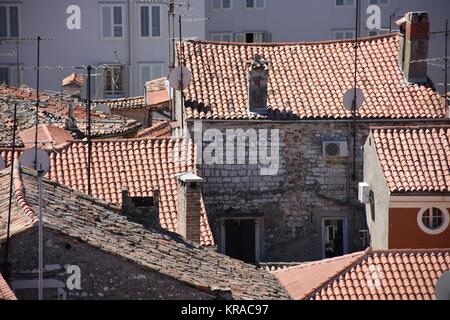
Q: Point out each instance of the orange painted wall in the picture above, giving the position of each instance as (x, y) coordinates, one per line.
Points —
(405, 233)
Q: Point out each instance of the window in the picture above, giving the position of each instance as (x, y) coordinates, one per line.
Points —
(255, 4)
(343, 34)
(150, 18)
(112, 21)
(240, 239)
(379, 2)
(8, 75)
(4, 75)
(334, 237)
(9, 20)
(150, 71)
(253, 37)
(344, 3)
(222, 36)
(433, 220)
(373, 33)
(113, 85)
(221, 4)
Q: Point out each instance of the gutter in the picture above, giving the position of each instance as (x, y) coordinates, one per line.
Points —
(130, 49)
(361, 121)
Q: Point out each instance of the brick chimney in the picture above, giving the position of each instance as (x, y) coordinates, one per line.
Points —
(189, 206)
(72, 85)
(258, 77)
(142, 210)
(414, 38)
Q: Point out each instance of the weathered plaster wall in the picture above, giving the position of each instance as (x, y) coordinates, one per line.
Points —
(378, 216)
(103, 276)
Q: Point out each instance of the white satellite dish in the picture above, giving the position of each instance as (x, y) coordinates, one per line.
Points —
(2, 163)
(42, 160)
(443, 287)
(349, 96)
(101, 107)
(180, 77)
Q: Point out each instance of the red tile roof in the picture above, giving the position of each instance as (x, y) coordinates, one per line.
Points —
(74, 78)
(55, 111)
(370, 275)
(139, 165)
(98, 224)
(157, 94)
(49, 136)
(301, 280)
(414, 159)
(306, 80)
(157, 130)
(5, 291)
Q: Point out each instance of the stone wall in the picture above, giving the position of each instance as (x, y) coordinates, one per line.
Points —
(102, 275)
(306, 188)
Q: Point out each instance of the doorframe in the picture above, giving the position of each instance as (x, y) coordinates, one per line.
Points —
(258, 228)
(345, 238)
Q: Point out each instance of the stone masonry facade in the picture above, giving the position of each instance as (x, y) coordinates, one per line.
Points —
(102, 275)
(307, 188)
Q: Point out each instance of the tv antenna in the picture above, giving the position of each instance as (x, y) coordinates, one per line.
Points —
(180, 78)
(38, 159)
(443, 287)
(353, 99)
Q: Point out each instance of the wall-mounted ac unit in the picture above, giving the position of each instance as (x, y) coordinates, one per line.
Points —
(363, 192)
(335, 149)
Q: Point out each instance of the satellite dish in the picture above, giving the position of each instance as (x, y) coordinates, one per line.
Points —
(348, 98)
(178, 74)
(102, 108)
(2, 163)
(443, 287)
(43, 160)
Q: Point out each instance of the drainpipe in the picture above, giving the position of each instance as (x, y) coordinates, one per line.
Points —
(130, 48)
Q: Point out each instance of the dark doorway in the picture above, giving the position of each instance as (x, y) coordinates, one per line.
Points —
(334, 234)
(240, 239)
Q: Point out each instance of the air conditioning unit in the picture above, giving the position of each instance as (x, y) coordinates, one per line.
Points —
(334, 149)
(363, 192)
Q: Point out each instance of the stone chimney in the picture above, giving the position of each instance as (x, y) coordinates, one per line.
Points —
(189, 206)
(258, 77)
(142, 210)
(72, 85)
(414, 37)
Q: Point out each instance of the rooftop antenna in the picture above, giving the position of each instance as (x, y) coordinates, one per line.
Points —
(38, 160)
(37, 100)
(89, 138)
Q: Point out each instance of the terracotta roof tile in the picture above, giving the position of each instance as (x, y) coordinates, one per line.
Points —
(54, 111)
(139, 165)
(367, 276)
(306, 81)
(5, 291)
(414, 159)
(71, 213)
(300, 280)
(158, 130)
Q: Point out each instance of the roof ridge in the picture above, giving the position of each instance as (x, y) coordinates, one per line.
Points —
(395, 251)
(364, 254)
(277, 44)
(412, 126)
(94, 200)
(20, 199)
